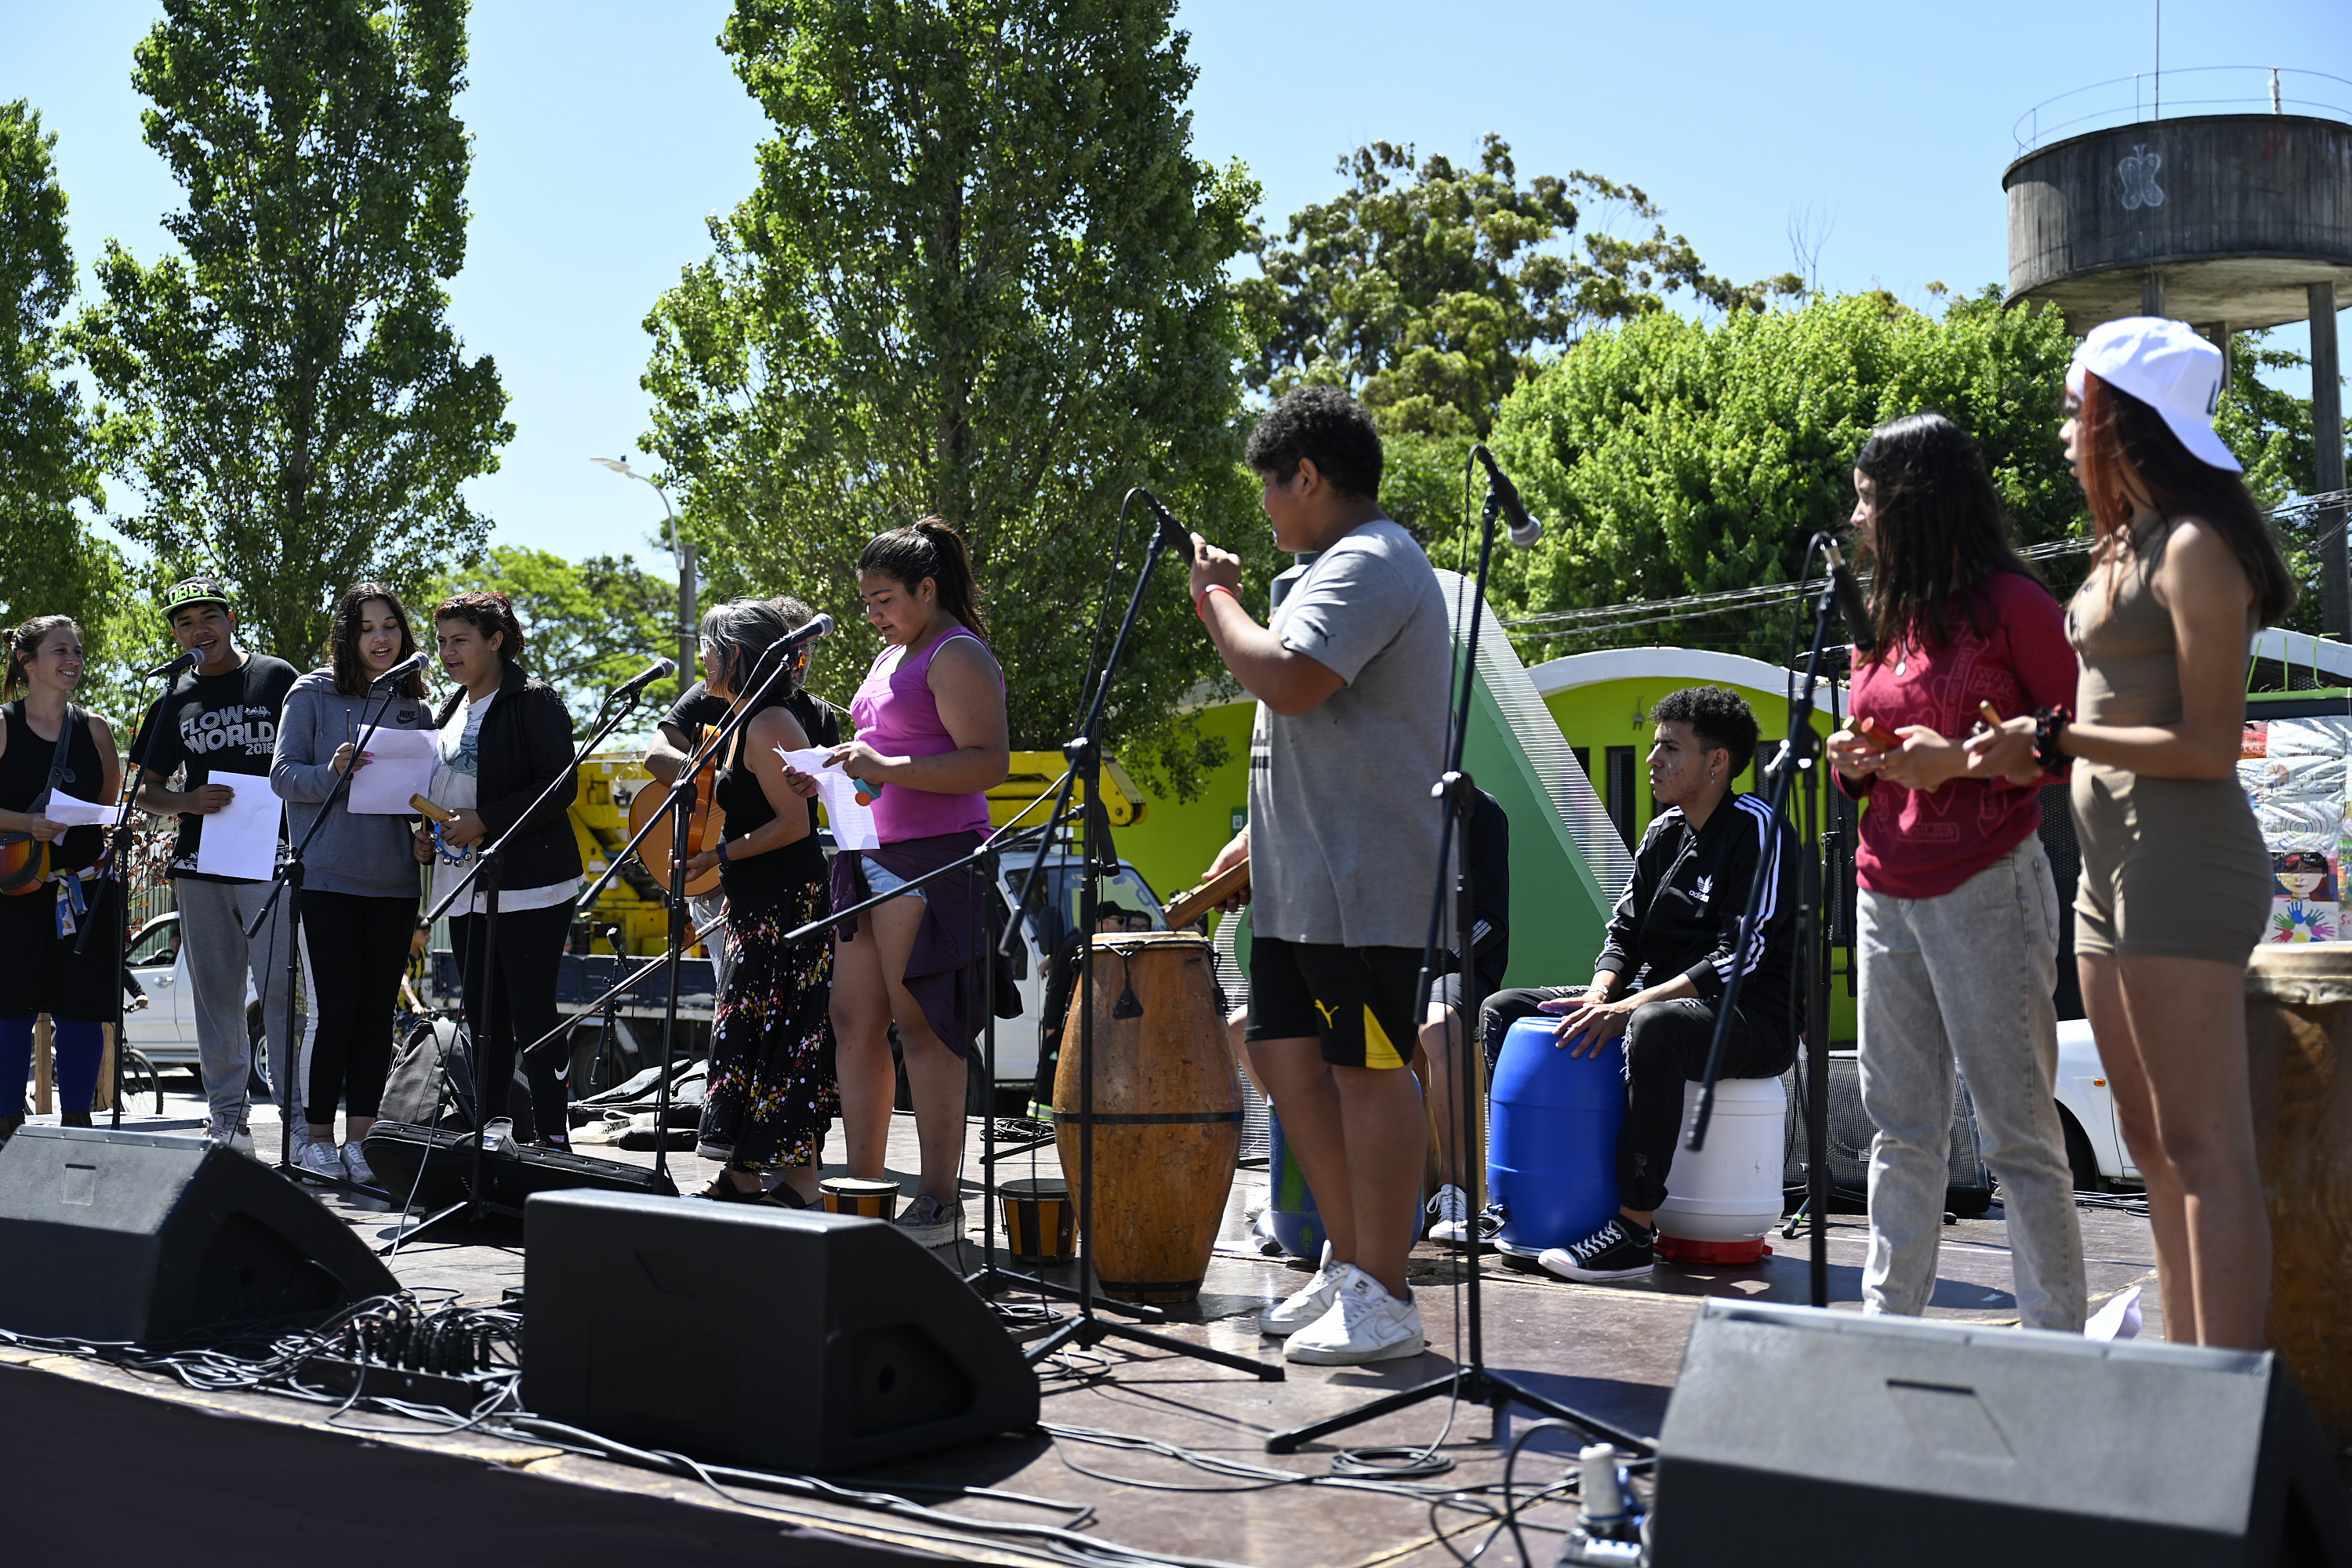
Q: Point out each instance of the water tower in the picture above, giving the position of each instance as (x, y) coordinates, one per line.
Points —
(2228, 221)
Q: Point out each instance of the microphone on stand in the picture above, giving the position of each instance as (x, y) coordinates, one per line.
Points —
(1173, 534)
(406, 667)
(634, 686)
(818, 626)
(184, 662)
(1525, 530)
(1849, 598)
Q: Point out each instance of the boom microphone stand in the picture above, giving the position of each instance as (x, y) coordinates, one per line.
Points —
(112, 873)
(1473, 1380)
(1792, 757)
(486, 869)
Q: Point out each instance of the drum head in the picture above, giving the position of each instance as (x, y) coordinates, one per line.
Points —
(1128, 943)
(2311, 972)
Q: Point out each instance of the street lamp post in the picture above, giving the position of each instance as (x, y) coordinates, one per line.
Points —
(682, 552)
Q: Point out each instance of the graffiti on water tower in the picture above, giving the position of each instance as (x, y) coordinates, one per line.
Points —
(2137, 173)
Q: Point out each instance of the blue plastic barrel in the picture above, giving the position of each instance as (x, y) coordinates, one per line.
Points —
(1290, 1212)
(1551, 1137)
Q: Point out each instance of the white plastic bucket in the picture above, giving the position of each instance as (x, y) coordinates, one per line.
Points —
(1730, 1190)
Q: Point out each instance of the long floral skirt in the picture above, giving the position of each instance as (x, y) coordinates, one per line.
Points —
(771, 1096)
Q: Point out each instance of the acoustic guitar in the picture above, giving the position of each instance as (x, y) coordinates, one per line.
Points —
(701, 828)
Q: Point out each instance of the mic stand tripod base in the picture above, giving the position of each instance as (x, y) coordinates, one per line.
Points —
(1474, 1384)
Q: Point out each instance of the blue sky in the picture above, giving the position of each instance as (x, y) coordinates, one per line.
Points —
(606, 132)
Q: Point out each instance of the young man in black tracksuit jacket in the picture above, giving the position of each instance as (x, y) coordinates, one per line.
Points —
(1672, 947)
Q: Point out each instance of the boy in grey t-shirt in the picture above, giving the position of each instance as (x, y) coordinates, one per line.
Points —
(1343, 844)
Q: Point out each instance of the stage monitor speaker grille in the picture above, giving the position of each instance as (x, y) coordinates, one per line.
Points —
(153, 1239)
(808, 1342)
(1798, 1436)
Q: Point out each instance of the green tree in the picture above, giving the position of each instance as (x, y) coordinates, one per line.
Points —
(51, 561)
(587, 624)
(1430, 290)
(295, 410)
(982, 276)
(1674, 457)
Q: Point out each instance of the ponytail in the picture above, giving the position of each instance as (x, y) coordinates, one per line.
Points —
(933, 550)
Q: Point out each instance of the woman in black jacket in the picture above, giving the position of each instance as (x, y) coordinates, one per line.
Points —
(504, 738)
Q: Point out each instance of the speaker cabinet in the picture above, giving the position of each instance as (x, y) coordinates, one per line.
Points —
(153, 1239)
(788, 1340)
(428, 1167)
(1798, 1436)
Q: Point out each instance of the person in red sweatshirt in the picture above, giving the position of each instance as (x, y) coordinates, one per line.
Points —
(1959, 916)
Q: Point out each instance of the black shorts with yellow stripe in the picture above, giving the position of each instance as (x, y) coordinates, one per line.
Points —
(1359, 1001)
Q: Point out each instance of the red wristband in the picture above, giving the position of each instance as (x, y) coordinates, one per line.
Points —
(1200, 599)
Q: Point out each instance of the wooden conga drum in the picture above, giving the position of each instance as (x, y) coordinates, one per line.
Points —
(2299, 1063)
(1167, 1114)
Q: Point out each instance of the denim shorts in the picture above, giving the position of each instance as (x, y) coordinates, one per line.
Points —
(881, 883)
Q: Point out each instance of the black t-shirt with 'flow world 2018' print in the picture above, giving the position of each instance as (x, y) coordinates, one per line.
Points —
(216, 724)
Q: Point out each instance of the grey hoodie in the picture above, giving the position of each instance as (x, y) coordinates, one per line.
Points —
(369, 856)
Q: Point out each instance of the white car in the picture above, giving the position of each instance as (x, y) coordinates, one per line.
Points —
(2094, 1145)
(1042, 932)
(164, 1030)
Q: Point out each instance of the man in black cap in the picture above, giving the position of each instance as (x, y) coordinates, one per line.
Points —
(219, 722)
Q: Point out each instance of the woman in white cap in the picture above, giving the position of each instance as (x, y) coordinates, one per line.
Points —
(2176, 883)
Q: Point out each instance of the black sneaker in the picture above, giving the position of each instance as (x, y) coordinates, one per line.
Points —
(1622, 1249)
(1454, 1231)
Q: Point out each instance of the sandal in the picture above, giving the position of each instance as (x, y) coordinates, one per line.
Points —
(723, 1191)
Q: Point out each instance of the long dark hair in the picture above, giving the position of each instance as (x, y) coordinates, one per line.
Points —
(485, 611)
(23, 643)
(352, 678)
(2118, 434)
(747, 631)
(929, 549)
(1939, 532)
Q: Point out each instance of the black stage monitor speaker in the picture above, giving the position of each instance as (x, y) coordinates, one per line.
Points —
(809, 1343)
(1798, 1436)
(150, 1238)
(427, 1168)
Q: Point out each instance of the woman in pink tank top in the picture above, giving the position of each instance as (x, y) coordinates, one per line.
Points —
(931, 732)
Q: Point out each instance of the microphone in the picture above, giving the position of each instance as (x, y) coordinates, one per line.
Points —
(1174, 535)
(185, 661)
(409, 665)
(1849, 598)
(634, 686)
(1525, 530)
(819, 626)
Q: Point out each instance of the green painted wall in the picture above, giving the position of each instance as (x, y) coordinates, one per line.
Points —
(1177, 839)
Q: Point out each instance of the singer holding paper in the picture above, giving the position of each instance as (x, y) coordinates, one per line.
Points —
(770, 1096)
(219, 722)
(931, 733)
(358, 885)
(1957, 938)
(505, 736)
(50, 748)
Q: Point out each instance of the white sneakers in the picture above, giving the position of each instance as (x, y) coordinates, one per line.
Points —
(220, 1130)
(1343, 1317)
(355, 1165)
(321, 1160)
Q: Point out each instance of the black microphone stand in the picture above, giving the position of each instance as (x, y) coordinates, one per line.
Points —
(1792, 758)
(288, 882)
(486, 869)
(1473, 1380)
(113, 872)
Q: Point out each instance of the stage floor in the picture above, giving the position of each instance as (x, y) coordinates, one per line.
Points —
(1610, 1351)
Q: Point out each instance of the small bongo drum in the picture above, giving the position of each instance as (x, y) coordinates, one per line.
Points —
(860, 1196)
(1041, 1224)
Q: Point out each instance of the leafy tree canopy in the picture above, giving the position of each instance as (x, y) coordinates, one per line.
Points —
(587, 626)
(50, 563)
(295, 410)
(1675, 457)
(982, 276)
(1431, 290)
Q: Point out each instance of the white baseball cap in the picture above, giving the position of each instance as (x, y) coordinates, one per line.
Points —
(2167, 366)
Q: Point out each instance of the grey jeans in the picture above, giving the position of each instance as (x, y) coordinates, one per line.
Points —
(705, 908)
(1967, 977)
(213, 918)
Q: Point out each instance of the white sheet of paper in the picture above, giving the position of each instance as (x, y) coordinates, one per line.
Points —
(240, 839)
(77, 813)
(400, 763)
(852, 823)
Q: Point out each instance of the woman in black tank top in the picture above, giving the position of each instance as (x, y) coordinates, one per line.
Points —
(39, 970)
(770, 1096)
